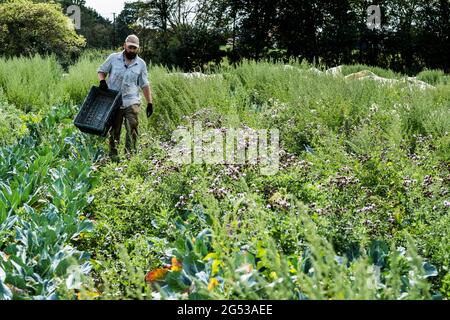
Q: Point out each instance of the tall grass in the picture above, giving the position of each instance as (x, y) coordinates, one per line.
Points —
(349, 69)
(434, 77)
(80, 78)
(31, 84)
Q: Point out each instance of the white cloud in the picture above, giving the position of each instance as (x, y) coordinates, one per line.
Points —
(106, 8)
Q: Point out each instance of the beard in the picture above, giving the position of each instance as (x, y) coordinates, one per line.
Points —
(130, 55)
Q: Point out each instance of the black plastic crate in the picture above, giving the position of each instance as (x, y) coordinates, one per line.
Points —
(97, 112)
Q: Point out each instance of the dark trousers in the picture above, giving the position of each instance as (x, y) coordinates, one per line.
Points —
(130, 117)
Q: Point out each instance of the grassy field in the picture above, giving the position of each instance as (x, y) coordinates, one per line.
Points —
(358, 210)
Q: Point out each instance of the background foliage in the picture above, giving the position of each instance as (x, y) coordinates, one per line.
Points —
(28, 28)
(359, 209)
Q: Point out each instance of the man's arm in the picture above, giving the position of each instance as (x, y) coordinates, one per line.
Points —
(104, 69)
(148, 94)
(145, 84)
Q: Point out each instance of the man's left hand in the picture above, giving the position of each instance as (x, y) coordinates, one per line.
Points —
(149, 109)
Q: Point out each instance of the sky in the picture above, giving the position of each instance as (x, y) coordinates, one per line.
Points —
(107, 7)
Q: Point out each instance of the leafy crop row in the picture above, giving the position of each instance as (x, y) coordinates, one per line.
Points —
(44, 179)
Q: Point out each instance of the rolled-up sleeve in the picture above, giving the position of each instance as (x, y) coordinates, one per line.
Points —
(143, 77)
(107, 65)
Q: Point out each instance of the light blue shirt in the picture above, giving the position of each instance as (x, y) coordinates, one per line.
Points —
(126, 79)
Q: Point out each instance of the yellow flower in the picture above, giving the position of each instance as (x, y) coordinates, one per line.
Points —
(88, 295)
(176, 265)
(212, 284)
(215, 267)
(210, 256)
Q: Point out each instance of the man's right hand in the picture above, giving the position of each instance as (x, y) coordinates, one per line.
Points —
(103, 85)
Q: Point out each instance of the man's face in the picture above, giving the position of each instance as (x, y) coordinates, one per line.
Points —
(130, 51)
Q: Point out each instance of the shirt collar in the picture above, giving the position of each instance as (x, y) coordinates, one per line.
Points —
(121, 57)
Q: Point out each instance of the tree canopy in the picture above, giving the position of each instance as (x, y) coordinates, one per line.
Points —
(40, 29)
(414, 34)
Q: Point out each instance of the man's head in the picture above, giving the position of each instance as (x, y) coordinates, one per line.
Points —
(131, 46)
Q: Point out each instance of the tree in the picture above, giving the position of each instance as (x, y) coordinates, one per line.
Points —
(192, 47)
(299, 22)
(173, 32)
(339, 35)
(126, 21)
(98, 31)
(185, 33)
(434, 37)
(257, 26)
(29, 28)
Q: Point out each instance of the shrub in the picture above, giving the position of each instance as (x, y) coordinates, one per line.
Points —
(29, 28)
(434, 77)
(12, 124)
(31, 84)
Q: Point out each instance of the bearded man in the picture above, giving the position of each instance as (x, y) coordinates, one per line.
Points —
(127, 73)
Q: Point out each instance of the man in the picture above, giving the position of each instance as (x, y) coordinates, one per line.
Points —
(127, 73)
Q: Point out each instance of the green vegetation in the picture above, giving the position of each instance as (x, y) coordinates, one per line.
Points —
(359, 208)
(413, 34)
(28, 28)
(31, 84)
(434, 77)
(35, 84)
(12, 124)
(44, 181)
